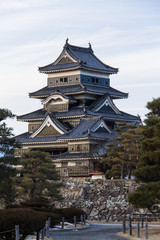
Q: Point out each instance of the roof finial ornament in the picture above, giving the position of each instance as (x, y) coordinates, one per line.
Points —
(66, 43)
(90, 47)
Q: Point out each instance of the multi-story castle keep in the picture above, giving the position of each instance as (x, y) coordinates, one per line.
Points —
(78, 116)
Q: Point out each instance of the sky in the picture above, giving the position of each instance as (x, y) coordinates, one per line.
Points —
(123, 33)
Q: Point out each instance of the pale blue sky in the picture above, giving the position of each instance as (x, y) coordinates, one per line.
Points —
(123, 34)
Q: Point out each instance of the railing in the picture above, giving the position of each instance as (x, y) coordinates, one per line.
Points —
(45, 230)
(149, 216)
(74, 220)
(14, 231)
(142, 222)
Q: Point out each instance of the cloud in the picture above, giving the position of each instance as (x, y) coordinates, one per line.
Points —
(20, 4)
(140, 85)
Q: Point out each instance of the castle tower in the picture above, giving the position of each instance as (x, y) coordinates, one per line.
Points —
(78, 116)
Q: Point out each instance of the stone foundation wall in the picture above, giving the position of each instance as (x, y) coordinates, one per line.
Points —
(102, 200)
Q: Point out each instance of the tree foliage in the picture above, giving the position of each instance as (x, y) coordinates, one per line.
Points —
(148, 172)
(7, 143)
(38, 176)
(123, 153)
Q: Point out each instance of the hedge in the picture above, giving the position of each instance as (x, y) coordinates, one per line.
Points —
(58, 213)
(69, 213)
(29, 221)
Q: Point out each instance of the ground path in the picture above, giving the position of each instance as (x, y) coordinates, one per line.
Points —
(95, 232)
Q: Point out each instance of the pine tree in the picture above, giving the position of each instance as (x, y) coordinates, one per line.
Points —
(116, 161)
(7, 143)
(38, 176)
(148, 172)
(123, 153)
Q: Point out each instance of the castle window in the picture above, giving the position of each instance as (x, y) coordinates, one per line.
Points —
(77, 79)
(65, 79)
(93, 80)
(56, 80)
(61, 80)
(78, 148)
(96, 80)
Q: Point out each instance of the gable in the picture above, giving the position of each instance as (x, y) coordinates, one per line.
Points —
(107, 106)
(48, 131)
(101, 126)
(65, 60)
(49, 127)
(101, 129)
(106, 109)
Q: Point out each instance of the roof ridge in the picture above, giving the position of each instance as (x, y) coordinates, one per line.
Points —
(86, 49)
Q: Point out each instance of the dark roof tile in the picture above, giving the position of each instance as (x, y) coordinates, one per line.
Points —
(71, 89)
(84, 58)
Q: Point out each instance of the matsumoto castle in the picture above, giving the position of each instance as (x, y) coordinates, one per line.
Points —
(78, 114)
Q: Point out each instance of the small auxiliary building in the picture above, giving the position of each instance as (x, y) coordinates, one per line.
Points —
(78, 116)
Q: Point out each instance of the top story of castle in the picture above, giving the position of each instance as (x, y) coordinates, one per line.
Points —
(78, 116)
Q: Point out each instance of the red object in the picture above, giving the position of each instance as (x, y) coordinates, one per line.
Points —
(94, 173)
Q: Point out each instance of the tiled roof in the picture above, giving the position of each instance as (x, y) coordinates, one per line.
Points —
(39, 114)
(73, 89)
(84, 129)
(109, 116)
(106, 90)
(59, 66)
(25, 138)
(46, 91)
(84, 58)
(79, 111)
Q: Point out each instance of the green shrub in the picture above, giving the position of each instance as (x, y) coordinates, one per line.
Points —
(50, 213)
(29, 221)
(56, 214)
(69, 213)
(37, 202)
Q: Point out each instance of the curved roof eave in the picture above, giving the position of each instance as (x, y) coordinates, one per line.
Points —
(79, 67)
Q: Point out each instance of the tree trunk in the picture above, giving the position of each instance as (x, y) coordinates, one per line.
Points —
(122, 170)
